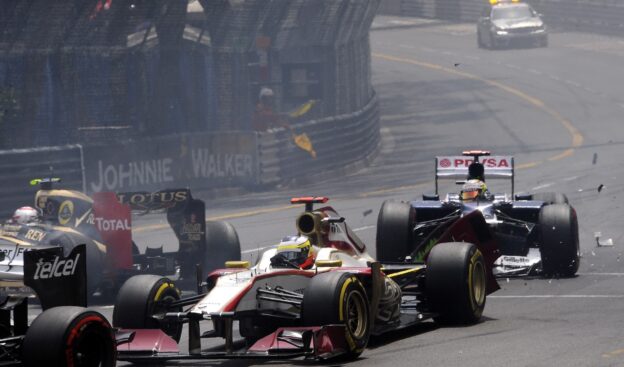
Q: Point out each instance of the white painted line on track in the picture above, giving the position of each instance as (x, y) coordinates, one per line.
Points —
(567, 179)
(561, 296)
(572, 83)
(536, 72)
(543, 186)
(258, 249)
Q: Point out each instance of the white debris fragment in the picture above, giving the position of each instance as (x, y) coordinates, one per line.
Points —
(602, 243)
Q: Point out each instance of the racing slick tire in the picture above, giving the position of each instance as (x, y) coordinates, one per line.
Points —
(395, 224)
(456, 283)
(339, 298)
(69, 336)
(559, 240)
(550, 197)
(222, 244)
(479, 40)
(142, 296)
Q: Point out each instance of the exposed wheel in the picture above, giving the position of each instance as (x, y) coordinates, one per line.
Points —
(142, 297)
(490, 44)
(456, 282)
(544, 42)
(559, 240)
(69, 336)
(551, 197)
(339, 298)
(222, 245)
(479, 39)
(395, 225)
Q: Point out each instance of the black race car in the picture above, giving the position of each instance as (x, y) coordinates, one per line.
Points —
(536, 234)
(504, 23)
(103, 223)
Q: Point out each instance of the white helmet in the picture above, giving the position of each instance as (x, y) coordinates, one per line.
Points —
(25, 214)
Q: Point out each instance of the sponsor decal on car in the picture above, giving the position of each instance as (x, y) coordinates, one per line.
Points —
(57, 268)
(112, 224)
(66, 212)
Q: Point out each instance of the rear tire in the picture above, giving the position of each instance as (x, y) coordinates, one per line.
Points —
(323, 305)
(69, 336)
(456, 283)
(551, 197)
(395, 225)
(559, 240)
(142, 296)
(222, 244)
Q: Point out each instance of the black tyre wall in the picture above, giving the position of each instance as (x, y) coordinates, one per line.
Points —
(136, 303)
(559, 240)
(395, 225)
(61, 333)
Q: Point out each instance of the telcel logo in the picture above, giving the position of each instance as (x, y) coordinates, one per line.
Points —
(56, 269)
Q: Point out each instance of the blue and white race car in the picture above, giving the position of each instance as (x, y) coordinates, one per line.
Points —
(536, 233)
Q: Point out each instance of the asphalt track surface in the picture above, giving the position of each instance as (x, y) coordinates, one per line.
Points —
(558, 110)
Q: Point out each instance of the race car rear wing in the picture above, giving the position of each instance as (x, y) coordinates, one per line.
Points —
(456, 167)
(186, 215)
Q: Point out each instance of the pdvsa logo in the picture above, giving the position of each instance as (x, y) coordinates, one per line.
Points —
(56, 269)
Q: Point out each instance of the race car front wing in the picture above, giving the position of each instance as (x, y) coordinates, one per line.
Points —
(312, 342)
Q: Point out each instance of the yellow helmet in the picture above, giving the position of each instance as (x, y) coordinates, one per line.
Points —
(472, 189)
(297, 250)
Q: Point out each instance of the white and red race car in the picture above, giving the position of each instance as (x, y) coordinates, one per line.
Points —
(326, 308)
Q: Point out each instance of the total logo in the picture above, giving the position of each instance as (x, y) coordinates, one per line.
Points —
(112, 224)
(56, 268)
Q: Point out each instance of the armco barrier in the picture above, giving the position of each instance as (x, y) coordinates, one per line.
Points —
(338, 142)
(196, 161)
(19, 166)
(600, 16)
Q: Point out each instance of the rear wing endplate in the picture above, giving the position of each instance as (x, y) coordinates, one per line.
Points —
(456, 167)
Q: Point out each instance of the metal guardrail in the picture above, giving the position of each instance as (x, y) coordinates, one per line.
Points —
(599, 16)
(199, 161)
(338, 141)
(19, 166)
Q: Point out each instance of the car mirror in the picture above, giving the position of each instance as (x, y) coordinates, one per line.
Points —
(237, 264)
(328, 263)
(431, 197)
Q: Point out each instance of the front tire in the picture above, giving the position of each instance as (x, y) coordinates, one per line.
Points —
(395, 225)
(339, 298)
(559, 240)
(69, 336)
(456, 282)
(142, 297)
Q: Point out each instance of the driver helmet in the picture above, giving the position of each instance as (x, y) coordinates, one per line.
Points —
(298, 250)
(472, 190)
(25, 215)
